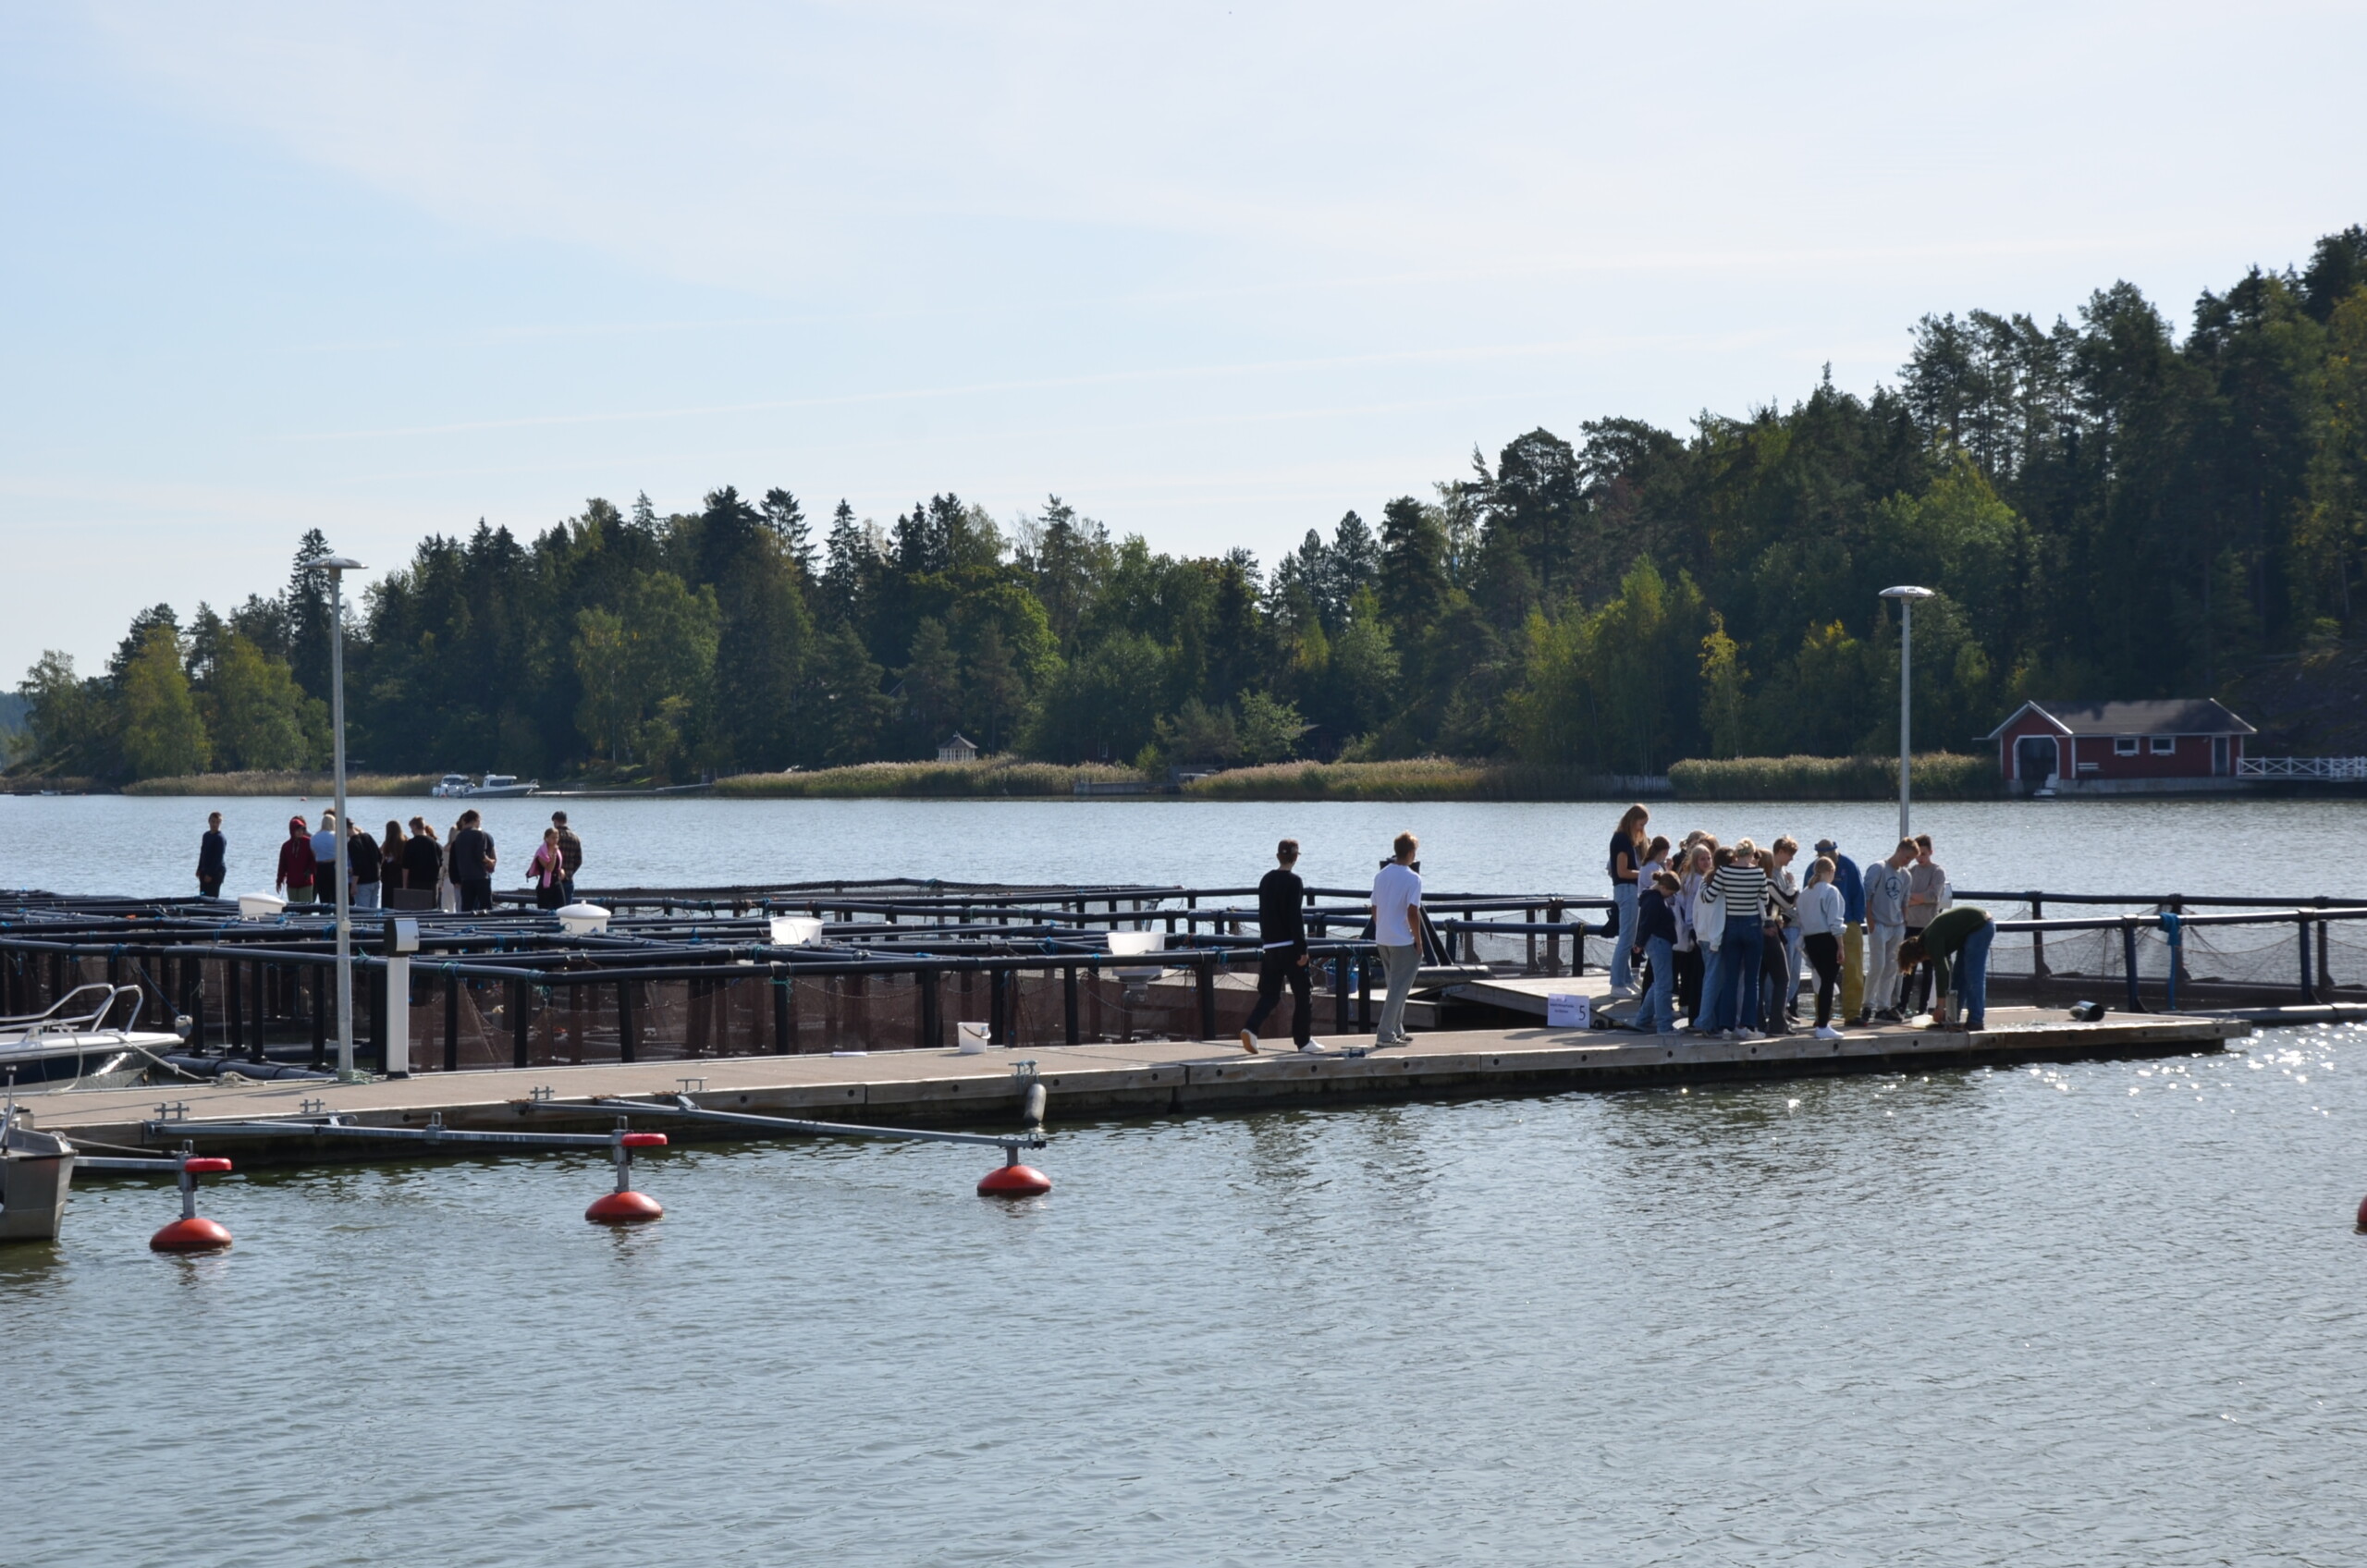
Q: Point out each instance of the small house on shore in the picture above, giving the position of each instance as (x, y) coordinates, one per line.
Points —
(959, 748)
(2157, 746)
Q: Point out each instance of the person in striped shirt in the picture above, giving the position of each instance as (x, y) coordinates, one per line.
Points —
(1740, 888)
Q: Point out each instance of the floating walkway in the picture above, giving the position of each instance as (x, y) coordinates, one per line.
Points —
(1082, 1082)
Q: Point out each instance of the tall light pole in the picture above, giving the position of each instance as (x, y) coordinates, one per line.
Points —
(337, 567)
(1906, 598)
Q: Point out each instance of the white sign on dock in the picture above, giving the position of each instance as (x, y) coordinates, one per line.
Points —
(1565, 1010)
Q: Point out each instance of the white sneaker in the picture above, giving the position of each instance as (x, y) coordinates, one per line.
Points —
(1249, 1042)
(1827, 1032)
(1311, 1048)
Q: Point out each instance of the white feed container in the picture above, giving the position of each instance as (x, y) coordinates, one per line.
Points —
(796, 930)
(261, 906)
(974, 1038)
(584, 920)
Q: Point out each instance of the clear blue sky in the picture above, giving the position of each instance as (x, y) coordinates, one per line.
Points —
(1214, 274)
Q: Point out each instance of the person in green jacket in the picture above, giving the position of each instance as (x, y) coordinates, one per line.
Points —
(1956, 944)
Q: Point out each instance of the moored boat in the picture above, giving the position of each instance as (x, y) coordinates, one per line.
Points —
(72, 1042)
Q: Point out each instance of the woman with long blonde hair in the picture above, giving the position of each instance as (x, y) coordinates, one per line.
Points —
(1626, 868)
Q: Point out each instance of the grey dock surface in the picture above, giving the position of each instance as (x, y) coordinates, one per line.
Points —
(1151, 1078)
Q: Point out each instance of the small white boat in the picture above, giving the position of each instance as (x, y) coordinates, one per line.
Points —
(36, 1169)
(72, 1043)
(493, 786)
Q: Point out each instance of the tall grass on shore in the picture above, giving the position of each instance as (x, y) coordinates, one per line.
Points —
(284, 784)
(921, 779)
(1939, 776)
(1412, 778)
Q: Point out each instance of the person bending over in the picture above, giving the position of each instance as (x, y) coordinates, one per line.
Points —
(1955, 946)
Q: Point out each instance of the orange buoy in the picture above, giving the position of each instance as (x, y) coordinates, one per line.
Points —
(1013, 1180)
(623, 1208)
(192, 1234)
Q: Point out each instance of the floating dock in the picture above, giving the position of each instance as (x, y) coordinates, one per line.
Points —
(1084, 1082)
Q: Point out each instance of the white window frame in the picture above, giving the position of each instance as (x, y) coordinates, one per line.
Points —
(2124, 745)
(2164, 746)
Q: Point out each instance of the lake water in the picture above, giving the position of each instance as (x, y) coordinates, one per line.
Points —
(2101, 1314)
(2271, 848)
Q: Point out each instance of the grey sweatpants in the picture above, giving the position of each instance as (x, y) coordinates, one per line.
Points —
(1398, 964)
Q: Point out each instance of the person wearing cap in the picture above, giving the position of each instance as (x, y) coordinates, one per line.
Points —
(296, 864)
(571, 849)
(1852, 885)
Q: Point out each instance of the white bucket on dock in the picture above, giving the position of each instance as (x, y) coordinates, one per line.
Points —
(584, 920)
(261, 906)
(796, 930)
(974, 1038)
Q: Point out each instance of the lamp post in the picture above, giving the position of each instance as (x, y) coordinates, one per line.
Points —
(1905, 596)
(337, 567)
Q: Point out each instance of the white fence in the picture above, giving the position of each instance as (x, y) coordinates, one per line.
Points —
(2344, 770)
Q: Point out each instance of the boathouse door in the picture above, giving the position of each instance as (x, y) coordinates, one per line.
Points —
(2219, 769)
(2034, 761)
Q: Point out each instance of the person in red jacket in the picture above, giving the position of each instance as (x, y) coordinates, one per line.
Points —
(296, 864)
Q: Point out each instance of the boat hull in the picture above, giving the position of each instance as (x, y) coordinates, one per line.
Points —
(36, 1172)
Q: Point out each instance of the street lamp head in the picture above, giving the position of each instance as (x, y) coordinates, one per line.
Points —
(339, 563)
(1907, 592)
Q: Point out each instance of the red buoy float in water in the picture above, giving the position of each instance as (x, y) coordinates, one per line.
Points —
(1012, 1180)
(190, 1233)
(2363, 1215)
(625, 1206)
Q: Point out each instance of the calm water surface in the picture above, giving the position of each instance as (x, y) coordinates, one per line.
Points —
(2102, 1314)
(114, 844)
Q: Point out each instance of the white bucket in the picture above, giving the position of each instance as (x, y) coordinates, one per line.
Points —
(261, 906)
(796, 930)
(1126, 944)
(584, 920)
(974, 1038)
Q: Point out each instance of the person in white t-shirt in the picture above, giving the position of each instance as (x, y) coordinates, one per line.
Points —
(1396, 928)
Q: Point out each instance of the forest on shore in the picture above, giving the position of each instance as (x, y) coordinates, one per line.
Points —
(2108, 509)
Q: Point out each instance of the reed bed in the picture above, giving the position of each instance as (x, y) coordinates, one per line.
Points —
(260, 783)
(1939, 776)
(921, 779)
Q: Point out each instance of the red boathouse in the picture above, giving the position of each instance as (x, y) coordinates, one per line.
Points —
(2157, 746)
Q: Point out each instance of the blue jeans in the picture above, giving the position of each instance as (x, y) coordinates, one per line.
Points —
(1734, 979)
(1971, 977)
(1659, 1014)
(1623, 894)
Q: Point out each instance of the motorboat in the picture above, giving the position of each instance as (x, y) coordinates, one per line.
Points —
(491, 787)
(73, 1043)
(36, 1169)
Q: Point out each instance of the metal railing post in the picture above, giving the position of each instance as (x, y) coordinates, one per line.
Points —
(1208, 988)
(2128, 961)
(2302, 930)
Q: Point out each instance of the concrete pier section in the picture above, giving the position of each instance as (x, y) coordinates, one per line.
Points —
(1088, 1081)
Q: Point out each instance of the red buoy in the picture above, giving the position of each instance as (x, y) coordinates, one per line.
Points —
(623, 1208)
(2363, 1215)
(1013, 1180)
(192, 1234)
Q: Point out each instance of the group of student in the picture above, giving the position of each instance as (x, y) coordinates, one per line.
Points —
(1719, 932)
(410, 869)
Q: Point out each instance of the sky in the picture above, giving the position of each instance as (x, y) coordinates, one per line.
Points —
(1213, 272)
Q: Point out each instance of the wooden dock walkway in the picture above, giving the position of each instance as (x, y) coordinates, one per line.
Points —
(938, 1088)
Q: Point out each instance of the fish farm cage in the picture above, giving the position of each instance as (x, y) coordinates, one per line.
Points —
(695, 973)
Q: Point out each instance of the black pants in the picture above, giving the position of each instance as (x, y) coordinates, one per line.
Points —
(1276, 965)
(477, 894)
(1688, 984)
(1824, 956)
(209, 887)
(1915, 987)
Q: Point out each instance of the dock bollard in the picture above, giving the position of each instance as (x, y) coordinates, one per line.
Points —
(625, 1206)
(1012, 1180)
(190, 1233)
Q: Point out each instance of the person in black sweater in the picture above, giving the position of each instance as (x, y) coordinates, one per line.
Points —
(213, 855)
(1281, 926)
(423, 861)
(472, 862)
